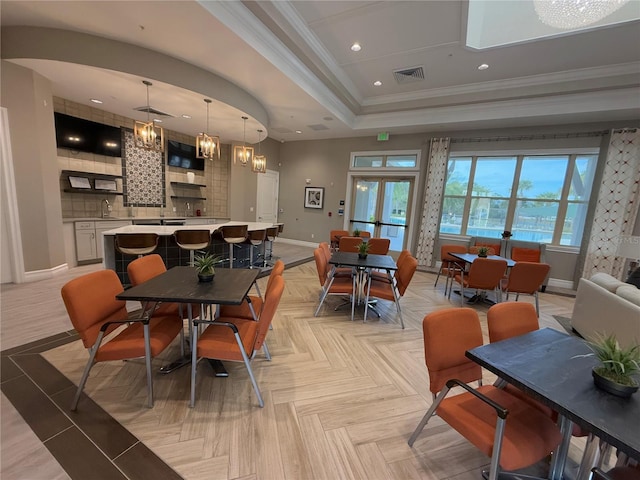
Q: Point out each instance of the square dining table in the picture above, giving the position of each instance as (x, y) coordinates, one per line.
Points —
(230, 286)
(555, 369)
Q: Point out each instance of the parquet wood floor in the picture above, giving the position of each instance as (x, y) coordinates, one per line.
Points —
(341, 397)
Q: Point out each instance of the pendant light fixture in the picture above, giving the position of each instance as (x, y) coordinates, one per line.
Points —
(148, 135)
(259, 163)
(243, 154)
(207, 146)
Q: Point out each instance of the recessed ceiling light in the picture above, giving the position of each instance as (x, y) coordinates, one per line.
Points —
(184, 115)
(157, 120)
(298, 131)
(377, 83)
(356, 47)
(484, 66)
(95, 100)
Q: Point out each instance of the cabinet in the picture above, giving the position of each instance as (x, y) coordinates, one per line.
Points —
(89, 239)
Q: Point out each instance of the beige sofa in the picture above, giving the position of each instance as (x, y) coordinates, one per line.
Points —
(604, 306)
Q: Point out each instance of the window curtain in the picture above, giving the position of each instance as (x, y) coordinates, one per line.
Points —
(438, 156)
(617, 204)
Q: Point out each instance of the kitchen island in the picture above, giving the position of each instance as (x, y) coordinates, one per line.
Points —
(169, 250)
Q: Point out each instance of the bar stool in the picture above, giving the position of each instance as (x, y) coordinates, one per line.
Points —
(136, 243)
(233, 234)
(255, 238)
(192, 240)
(272, 233)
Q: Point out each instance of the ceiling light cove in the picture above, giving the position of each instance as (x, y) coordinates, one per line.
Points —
(356, 47)
(377, 83)
(484, 66)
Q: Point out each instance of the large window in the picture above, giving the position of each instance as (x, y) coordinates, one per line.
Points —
(542, 198)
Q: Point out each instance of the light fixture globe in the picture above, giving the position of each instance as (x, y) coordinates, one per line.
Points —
(571, 14)
(243, 154)
(259, 162)
(207, 146)
(148, 135)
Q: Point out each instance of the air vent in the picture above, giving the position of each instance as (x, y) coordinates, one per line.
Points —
(153, 111)
(409, 75)
(317, 127)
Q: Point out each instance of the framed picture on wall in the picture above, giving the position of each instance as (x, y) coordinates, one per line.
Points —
(313, 197)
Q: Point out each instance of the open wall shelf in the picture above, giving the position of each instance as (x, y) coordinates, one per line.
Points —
(184, 184)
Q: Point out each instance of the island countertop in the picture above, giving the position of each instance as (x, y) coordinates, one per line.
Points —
(166, 230)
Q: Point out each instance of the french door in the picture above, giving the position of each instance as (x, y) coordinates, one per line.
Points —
(381, 207)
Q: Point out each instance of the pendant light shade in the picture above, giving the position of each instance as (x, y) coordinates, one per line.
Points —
(148, 135)
(243, 154)
(207, 146)
(259, 163)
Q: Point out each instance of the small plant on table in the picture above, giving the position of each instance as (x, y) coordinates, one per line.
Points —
(205, 263)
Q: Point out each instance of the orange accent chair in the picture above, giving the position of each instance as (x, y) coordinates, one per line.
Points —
(519, 254)
(511, 319)
(349, 244)
(145, 268)
(336, 285)
(379, 246)
(450, 265)
(334, 237)
(235, 339)
(484, 274)
(514, 434)
(383, 277)
(526, 278)
(95, 313)
(340, 271)
(494, 244)
(393, 291)
(244, 309)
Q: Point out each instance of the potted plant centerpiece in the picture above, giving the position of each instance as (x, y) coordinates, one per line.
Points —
(205, 265)
(617, 366)
(356, 232)
(363, 250)
(483, 251)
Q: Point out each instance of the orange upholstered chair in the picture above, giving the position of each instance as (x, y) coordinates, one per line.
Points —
(235, 339)
(340, 271)
(382, 276)
(484, 274)
(511, 319)
(94, 312)
(349, 244)
(450, 265)
(334, 237)
(338, 285)
(514, 434)
(394, 291)
(519, 254)
(243, 310)
(364, 234)
(379, 246)
(145, 268)
(526, 278)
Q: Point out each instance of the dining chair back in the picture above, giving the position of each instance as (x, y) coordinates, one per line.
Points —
(490, 249)
(484, 274)
(511, 319)
(394, 291)
(337, 285)
(349, 244)
(449, 265)
(364, 234)
(235, 339)
(520, 254)
(383, 276)
(94, 311)
(192, 240)
(494, 244)
(379, 246)
(514, 434)
(527, 278)
(334, 238)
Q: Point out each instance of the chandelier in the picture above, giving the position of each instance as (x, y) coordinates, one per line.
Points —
(243, 154)
(148, 135)
(259, 162)
(207, 146)
(571, 14)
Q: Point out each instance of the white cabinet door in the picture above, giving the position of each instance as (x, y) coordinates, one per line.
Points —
(86, 245)
(103, 227)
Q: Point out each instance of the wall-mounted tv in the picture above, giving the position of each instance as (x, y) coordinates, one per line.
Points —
(183, 156)
(86, 136)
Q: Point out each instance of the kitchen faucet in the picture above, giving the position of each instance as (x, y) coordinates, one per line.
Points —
(106, 208)
(187, 212)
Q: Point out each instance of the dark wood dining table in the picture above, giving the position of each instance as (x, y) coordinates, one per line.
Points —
(555, 369)
(362, 266)
(470, 258)
(230, 286)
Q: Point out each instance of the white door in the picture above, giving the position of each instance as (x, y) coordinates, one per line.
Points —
(267, 197)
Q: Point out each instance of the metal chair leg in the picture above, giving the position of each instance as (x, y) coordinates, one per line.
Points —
(427, 416)
(246, 362)
(85, 375)
(147, 361)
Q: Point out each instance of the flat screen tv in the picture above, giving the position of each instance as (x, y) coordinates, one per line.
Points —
(86, 136)
(183, 156)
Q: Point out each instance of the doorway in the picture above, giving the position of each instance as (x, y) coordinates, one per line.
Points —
(267, 197)
(382, 206)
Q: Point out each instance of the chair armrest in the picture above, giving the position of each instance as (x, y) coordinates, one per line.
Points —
(214, 322)
(142, 320)
(501, 411)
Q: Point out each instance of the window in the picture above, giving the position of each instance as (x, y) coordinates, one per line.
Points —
(539, 198)
(385, 160)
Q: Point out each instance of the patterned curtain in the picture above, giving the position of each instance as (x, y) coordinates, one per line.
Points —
(438, 156)
(617, 204)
